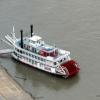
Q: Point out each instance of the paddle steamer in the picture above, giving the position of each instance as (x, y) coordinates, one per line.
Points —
(36, 53)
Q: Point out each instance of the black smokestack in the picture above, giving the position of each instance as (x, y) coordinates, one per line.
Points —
(31, 26)
(21, 31)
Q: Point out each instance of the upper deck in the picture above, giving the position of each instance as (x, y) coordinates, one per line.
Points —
(35, 44)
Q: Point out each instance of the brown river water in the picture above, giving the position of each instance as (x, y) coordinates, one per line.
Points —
(73, 25)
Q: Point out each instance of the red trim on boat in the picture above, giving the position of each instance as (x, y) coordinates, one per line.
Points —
(72, 67)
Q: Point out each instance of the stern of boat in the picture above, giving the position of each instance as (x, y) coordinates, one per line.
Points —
(71, 68)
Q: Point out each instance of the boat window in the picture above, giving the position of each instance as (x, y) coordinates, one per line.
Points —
(35, 57)
(35, 62)
(23, 52)
(38, 58)
(61, 60)
(43, 65)
(32, 61)
(41, 59)
(17, 50)
(26, 53)
(44, 60)
(64, 58)
(20, 51)
(39, 42)
(24, 45)
(15, 53)
(29, 60)
(29, 54)
(35, 50)
(55, 63)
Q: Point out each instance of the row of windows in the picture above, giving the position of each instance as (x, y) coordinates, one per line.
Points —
(30, 55)
(38, 58)
(27, 47)
(29, 60)
(35, 57)
(62, 60)
(30, 48)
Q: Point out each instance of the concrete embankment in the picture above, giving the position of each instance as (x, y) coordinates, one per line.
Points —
(9, 89)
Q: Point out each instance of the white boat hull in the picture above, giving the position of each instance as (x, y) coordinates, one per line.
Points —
(52, 70)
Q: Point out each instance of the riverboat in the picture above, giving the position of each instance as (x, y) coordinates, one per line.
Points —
(35, 52)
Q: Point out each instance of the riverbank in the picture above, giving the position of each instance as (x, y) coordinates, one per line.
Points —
(9, 89)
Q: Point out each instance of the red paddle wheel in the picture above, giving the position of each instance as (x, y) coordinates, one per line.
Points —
(71, 67)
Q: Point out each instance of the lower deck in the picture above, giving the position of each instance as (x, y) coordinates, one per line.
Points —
(37, 64)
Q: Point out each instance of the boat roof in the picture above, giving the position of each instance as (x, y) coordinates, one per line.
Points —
(35, 38)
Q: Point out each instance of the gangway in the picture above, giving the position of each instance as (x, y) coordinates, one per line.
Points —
(6, 51)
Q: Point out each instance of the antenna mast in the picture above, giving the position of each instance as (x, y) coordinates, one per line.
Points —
(13, 34)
